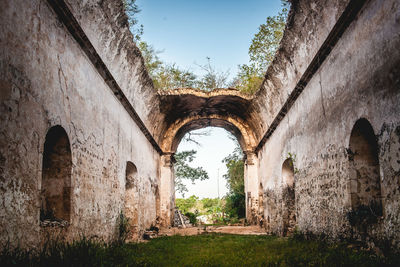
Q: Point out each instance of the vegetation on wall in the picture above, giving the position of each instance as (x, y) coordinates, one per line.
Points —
(249, 77)
(293, 158)
(131, 9)
(261, 52)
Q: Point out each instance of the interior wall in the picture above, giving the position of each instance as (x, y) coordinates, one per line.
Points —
(46, 80)
(359, 79)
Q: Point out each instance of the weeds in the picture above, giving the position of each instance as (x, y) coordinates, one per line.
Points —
(123, 228)
(201, 250)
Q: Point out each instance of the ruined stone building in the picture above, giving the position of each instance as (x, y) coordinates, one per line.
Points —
(84, 136)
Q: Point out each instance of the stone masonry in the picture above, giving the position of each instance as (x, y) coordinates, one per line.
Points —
(84, 137)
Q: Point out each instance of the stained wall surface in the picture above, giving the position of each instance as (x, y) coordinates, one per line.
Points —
(46, 80)
(358, 79)
(338, 62)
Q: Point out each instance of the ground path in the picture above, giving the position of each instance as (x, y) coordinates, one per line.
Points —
(238, 230)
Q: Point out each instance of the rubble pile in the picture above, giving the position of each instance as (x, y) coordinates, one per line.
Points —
(53, 223)
(178, 221)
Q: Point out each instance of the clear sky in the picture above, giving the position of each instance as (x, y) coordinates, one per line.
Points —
(188, 31)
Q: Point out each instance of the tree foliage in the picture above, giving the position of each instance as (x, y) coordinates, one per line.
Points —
(183, 171)
(249, 76)
(212, 78)
(171, 77)
(262, 52)
(235, 199)
(186, 204)
(131, 10)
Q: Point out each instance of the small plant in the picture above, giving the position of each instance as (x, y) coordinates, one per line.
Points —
(123, 228)
(292, 157)
(192, 217)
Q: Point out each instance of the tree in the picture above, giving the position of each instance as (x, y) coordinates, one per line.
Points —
(235, 199)
(171, 77)
(249, 76)
(212, 78)
(186, 204)
(151, 59)
(262, 52)
(184, 171)
(131, 10)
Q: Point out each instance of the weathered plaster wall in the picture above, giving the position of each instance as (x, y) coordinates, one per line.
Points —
(46, 80)
(105, 23)
(359, 79)
(49, 78)
(308, 25)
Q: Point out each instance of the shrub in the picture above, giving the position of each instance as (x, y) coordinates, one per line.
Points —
(123, 228)
(192, 217)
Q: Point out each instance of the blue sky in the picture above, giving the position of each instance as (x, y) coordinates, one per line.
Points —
(188, 31)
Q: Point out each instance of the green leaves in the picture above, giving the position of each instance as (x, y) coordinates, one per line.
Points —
(212, 78)
(249, 77)
(261, 52)
(235, 199)
(131, 10)
(184, 171)
(186, 204)
(172, 77)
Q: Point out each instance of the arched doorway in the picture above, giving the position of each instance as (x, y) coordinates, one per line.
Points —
(131, 198)
(288, 198)
(189, 109)
(365, 187)
(250, 179)
(55, 196)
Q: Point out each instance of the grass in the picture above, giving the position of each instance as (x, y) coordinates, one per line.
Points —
(201, 250)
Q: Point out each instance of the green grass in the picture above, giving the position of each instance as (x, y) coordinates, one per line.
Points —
(201, 250)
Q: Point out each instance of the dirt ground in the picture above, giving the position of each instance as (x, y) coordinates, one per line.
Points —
(237, 230)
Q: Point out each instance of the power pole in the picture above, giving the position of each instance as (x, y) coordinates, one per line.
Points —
(218, 181)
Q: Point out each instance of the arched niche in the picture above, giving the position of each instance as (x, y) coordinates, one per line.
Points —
(288, 173)
(365, 187)
(288, 198)
(131, 198)
(55, 196)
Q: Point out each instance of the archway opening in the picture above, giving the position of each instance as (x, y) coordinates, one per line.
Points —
(221, 197)
(365, 187)
(131, 197)
(288, 197)
(55, 196)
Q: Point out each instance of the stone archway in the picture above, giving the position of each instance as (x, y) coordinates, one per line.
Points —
(189, 109)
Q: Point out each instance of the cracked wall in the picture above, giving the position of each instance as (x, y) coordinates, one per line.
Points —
(338, 62)
(358, 79)
(46, 80)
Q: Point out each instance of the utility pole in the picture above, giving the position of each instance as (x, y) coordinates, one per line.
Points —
(218, 181)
